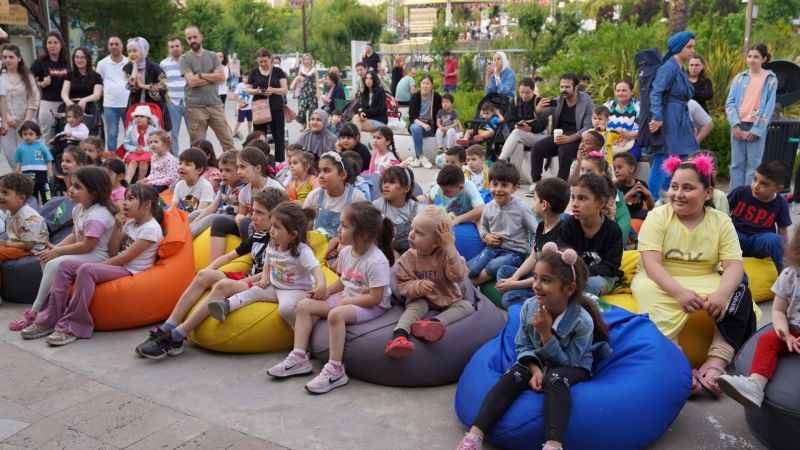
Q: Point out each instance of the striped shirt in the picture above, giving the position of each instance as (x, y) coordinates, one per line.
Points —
(176, 84)
(622, 119)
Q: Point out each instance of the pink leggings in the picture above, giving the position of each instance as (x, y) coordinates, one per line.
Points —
(71, 314)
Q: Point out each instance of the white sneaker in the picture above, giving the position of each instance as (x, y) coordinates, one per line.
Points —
(415, 163)
(292, 365)
(425, 162)
(327, 380)
(742, 389)
(407, 162)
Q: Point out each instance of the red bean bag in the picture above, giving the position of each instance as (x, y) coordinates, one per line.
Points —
(149, 296)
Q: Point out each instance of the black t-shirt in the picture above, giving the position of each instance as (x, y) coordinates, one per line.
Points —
(81, 86)
(566, 121)
(372, 61)
(602, 253)
(259, 81)
(543, 238)
(636, 207)
(256, 245)
(57, 71)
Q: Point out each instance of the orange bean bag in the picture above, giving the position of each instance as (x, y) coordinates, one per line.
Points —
(149, 296)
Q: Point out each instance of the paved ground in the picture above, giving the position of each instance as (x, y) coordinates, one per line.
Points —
(95, 394)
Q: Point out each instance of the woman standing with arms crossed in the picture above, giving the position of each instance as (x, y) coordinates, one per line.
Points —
(19, 99)
(268, 82)
(50, 71)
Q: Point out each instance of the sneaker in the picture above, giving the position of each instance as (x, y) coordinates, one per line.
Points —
(399, 347)
(414, 163)
(219, 309)
(294, 364)
(34, 331)
(531, 190)
(160, 347)
(59, 338)
(470, 442)
(428, 330)
(742, 389)
(155, 333)
(20, 324)
(426, 163)
(327, 380)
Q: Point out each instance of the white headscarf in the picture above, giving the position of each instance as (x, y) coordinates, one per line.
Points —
(506, 64)
(144, 48)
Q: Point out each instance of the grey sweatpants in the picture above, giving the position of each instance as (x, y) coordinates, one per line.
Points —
(416, 310)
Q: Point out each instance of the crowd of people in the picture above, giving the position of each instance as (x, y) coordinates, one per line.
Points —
(554, 255)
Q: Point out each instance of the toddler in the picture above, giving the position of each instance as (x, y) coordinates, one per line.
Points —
(26, 231)
(476, 170)
(211, 173)
(163, 164)
(116, 172)
(93, 146)
(34, 160)
(447, 124)
(302, 166)
(137, 152)
(637, 196)
(226, 201)
(491, 119)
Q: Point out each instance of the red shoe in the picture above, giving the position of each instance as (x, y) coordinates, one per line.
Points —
(399, 347)
(478, 138)
(462, 142)
(428, 330)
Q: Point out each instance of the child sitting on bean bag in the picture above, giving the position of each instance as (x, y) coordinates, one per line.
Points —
(429, 276)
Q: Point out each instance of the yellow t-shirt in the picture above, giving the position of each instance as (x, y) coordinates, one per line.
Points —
(690, 252)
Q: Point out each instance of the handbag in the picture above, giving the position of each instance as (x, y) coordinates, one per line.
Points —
(261, 111)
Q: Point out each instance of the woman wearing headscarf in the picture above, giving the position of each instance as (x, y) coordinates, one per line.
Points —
(146, 80)
(318, 139)
(669, 96)
(500, 77)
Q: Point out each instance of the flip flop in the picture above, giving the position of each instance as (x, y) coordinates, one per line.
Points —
(711, 389)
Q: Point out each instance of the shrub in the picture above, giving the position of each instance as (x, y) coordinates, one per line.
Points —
(466, 102)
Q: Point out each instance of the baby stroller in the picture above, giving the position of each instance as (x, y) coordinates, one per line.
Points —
(494, 145)
(155, 111)
(92, 118)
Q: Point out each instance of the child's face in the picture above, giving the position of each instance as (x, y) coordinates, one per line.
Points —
(393, 191)
(379, 142)
(247, 172)
(141, 121)
(90, 150)
(686, 193)
(453, 190)
(347, 142)
(279, 234)
(29, 136)
(588, 144)
(260, 217)
(188, 171)
(79, 194)
(623, 171)
(229, 175)
(452, 160)
(589, 166)
(331, 174)
(502, 191)
(298, 168)
(475, 163)
(346, 230)
(133, 208)
(763, 188)
(539, 206)
(73, 120)
(423, 237)
(447, 105)
(68, 163)
(157, 146)
(599, 121)
(585, 205)
(551, 291)
(486, 114)
(10, 200)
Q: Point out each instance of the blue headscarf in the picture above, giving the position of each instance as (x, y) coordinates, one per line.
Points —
(676, 42)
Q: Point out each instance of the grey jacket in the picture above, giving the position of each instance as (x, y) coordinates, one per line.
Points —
(583, 112)
(514, 222)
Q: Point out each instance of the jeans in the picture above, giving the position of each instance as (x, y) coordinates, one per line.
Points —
(176, 113)
(745, 157)
(113, 116)
(659, 180)
(418, 133)
(514, 295)
(762, 245)
(599, 285)
(449, 88)
(491, 259)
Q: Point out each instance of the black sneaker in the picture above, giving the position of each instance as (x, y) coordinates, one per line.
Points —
(155, 333)
(160, 347)
(219, 309)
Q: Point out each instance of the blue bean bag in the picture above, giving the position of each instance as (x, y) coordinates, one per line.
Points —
(468, 241)
(634, 396)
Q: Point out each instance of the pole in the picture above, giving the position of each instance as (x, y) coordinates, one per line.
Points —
(305, 34)
(748, 25)
(45, 5)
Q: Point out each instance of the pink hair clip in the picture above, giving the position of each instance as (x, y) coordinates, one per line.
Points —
(568, 256)
(704, 165)
(595, 154)
(671, 164)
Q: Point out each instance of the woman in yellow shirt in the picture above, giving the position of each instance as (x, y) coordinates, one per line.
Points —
(683, 244)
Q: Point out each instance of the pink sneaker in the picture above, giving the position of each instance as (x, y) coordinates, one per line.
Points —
(28, 317)
(470, 442)
(327, 380)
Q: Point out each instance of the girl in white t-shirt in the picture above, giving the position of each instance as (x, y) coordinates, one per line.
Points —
(361, 294)
(291, 272)
(64, 318)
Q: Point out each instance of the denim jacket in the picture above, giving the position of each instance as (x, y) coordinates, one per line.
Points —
(572, 342)
(765, 107)
(507, 86)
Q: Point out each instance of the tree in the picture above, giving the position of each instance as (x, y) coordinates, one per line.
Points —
(39, 12)
(678, 15)
(542, 38)
(444, 38)
(334, 23)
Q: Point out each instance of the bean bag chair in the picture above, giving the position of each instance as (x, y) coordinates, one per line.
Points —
(620, 407)
(492, 293)
(431, 364)
(21, 277)
(762, 274)
(149, 296)
(201, 246)
(468, 241)
(777, 423)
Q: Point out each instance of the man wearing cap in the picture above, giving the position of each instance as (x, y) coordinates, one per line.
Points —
(203, 72)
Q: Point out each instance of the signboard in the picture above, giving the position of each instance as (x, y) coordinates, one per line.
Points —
(16, 15)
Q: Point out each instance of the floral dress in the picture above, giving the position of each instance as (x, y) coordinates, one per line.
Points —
(307, 102)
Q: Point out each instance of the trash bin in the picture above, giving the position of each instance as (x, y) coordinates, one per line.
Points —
(782, 138)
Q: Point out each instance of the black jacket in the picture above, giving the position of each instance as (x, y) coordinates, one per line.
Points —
(375, 110)
(522, 110)
(415, 104)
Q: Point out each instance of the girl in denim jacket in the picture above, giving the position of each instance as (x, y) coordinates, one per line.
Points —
(560, 328)
(749, 107)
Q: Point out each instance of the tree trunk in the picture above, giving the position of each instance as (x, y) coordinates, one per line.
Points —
(63, 20)
(678, 15)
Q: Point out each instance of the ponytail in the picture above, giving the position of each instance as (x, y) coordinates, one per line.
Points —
(600, 332)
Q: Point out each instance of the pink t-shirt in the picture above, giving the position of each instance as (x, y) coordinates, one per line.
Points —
(379, 163)
(748, 109)
(118, 194)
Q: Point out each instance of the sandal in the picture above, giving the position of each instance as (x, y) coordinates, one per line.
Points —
(710, 385)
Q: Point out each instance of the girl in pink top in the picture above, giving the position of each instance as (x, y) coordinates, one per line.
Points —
(384, 153)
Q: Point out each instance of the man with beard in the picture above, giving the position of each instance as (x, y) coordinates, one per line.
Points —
(203, 72)
(115, 91)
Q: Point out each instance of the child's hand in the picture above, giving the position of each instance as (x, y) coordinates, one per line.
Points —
(493, 240)
(543, 322)
(506, 284)
(689, 300)
(426, 287)
(536, 378)
(715, 305)
(48, 255)
(446, 236)
(320, 292)
(262, 282)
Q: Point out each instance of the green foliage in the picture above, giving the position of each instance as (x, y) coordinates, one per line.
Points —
(465, 102)
(543, 39)
(389, 37)
(468, 76)
(334, 23)
(719, 143)
(444, 38)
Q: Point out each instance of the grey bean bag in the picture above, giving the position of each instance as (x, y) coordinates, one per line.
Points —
(777, 423)
(20, 277)
(431, 364)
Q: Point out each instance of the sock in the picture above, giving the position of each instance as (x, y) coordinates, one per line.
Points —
(177, 335)
(234, 303)
(168, 326)
(336, 365)
(399, 332)
(300, 352)
(759, 381)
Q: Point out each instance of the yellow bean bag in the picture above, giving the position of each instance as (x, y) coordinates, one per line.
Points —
(202, 252)
(255, 328)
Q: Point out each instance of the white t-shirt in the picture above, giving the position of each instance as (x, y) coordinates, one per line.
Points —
(697, 114)
(94, 222)
(244, 97)
(78, 133)
(359, 274)
(222, 88)
(148, 231)
(115, 93)
(190, 197)
(246, 194)
(329, 203)
(291, 272)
